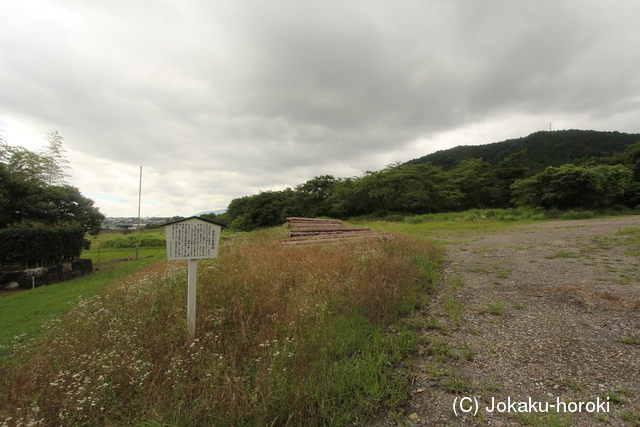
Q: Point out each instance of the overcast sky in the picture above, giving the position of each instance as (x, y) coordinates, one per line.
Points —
(223, 99)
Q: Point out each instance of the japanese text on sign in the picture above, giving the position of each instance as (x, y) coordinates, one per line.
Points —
(192, 240)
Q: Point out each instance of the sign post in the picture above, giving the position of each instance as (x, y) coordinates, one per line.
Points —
(193, 239)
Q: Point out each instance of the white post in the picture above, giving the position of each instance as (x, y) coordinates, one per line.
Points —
(191, 298)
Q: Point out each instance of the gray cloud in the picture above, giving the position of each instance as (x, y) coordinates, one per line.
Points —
(222, 99)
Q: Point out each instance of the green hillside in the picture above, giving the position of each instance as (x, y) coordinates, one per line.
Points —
(543, 149)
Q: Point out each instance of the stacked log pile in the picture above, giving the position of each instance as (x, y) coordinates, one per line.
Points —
(308, 230)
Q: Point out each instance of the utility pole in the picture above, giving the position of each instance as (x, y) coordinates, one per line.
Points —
(139, 201)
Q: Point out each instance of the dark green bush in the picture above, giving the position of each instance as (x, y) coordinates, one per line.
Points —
(41, 245)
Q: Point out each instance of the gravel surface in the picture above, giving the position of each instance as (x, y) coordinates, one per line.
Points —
(530, 315)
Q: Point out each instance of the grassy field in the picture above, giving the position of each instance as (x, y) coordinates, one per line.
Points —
(102, 256)
(23, 314)
(450, 224)
(285, 336)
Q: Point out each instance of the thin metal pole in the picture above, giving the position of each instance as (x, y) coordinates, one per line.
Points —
(139, 202)
(191, 298)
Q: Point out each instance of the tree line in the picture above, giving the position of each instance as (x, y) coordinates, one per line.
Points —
(35, 199)
(421, 188)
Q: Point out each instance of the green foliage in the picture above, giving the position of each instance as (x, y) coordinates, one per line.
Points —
(32, 189)
(476, 181)
(571, 186)
(264, 209)
(53, 161)
(311, 198)
(132, 241)
(30, 245)
(210, 216)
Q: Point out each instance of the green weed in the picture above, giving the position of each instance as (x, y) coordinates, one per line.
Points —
(452, 308)
(632, 418)
(552, 419)
(493, 307)
(467, 352)
(455, 384)
(631, 340)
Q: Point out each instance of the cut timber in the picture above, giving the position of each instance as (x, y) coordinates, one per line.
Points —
(304, 231)
(334, 239)
(328, 230)
(313, 220)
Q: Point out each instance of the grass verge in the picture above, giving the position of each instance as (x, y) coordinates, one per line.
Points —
(23, 314)
(309, 335)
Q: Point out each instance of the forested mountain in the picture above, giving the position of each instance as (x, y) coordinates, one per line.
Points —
(560, 170)
(542, 149)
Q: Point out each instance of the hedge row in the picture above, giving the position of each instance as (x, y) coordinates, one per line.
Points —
(131, 241)
(29, 246)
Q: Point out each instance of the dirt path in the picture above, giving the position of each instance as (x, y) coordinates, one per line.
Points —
(549, 312)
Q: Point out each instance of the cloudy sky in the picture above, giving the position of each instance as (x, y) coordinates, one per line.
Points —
(222, 99)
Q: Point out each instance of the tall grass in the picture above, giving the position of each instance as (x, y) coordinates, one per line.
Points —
(285, 336)
(520, 214)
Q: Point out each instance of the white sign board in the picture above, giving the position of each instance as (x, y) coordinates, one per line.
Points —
(192, 238)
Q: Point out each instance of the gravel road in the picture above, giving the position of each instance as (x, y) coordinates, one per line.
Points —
(529, 316)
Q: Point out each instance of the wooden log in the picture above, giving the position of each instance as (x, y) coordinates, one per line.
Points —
(315, 226)
(289, 242)
(330, 229)
(354, 233)
(329, 235)
(336, 236)
(308, 220)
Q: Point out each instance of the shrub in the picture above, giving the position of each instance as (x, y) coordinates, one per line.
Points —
(41, 245)
(577, 214)
(394, 218)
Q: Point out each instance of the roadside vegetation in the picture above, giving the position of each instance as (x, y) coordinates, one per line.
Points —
(313, 335)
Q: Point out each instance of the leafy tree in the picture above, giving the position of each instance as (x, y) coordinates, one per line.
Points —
(631, 159)
(570, 186)
(511, 169)
(22, 164)
(311, 198)
(209, 216)
(27, 195)
(476, 181)
(387, 190)
(53, 160)
(347, 198)
(436, 190)
(265, 209)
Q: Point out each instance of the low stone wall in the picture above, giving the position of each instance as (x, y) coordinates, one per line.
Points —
(24, 279)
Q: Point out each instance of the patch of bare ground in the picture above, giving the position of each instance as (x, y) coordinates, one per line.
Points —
(529, 316)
